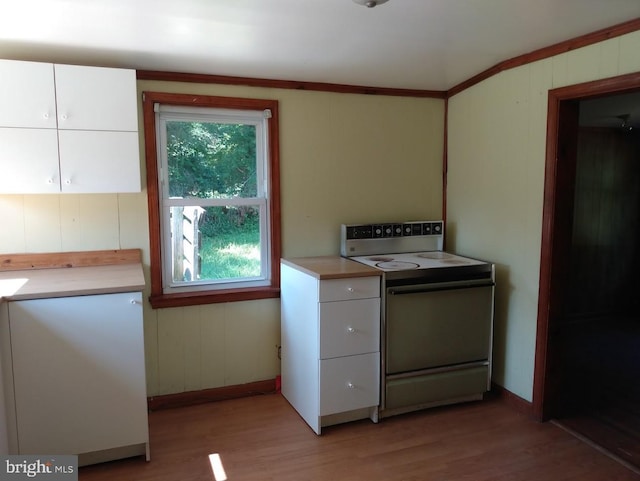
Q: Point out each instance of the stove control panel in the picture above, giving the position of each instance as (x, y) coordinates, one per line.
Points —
(396, 229)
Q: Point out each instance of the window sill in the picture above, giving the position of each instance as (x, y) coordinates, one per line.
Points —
(160, 301)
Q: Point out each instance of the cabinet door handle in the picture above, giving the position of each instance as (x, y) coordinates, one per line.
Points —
(133, 301)
(350, 330)
(350, 385)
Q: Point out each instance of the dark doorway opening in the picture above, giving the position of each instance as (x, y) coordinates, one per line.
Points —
(588, 342)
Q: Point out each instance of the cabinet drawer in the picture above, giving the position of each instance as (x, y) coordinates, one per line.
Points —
(349, 288)
(438, 387)
(349, 327)
(349, 383)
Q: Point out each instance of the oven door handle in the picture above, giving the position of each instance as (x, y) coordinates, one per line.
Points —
(436, 288)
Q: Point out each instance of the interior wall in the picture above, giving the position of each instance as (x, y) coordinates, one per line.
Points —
(495, 185)
(345, 158)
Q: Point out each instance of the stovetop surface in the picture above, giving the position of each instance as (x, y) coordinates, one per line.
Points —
(416, 260)
(409, 252)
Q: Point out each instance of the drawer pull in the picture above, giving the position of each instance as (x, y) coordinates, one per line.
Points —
(350, 385)
(350, 289)
(350, 330)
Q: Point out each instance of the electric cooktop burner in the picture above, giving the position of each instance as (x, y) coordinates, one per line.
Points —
(380, 259)
(434, 255)
(396, 265)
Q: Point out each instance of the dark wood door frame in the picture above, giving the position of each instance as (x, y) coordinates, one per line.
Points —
(561, 121)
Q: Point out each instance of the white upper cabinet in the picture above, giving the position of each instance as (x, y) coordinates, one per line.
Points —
(67, 128)
(29, 161)
(96, 98)
(27, 95)
(110, 168)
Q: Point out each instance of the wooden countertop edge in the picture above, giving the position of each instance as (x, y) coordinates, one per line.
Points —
(59, 260)
(330, 267)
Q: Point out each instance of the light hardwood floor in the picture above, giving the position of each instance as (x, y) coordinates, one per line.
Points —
(263, 438)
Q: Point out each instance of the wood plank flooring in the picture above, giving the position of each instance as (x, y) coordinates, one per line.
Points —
(263, 438)
(600, 391)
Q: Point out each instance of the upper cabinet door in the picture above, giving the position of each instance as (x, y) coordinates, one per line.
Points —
(95, 161)
(29, 161)
(27, 97)
(96, 98)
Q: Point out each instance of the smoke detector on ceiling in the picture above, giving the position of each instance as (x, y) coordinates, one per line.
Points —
(370, 3)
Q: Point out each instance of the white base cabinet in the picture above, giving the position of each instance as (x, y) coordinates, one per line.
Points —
(330, 334)
(4, 426)
(79, 376)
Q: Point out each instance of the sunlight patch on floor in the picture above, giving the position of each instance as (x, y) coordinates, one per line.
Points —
(217, 467)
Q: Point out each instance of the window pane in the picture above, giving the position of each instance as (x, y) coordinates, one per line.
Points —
(209, 160)
(215, 243)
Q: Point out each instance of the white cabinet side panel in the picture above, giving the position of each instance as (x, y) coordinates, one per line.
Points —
(7, 408)
(300, 344)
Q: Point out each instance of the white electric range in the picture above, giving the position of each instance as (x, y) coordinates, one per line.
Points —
(436, 314)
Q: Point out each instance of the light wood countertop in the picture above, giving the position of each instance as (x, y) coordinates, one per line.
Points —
(330, 267)
(72, 281)
(76, 278)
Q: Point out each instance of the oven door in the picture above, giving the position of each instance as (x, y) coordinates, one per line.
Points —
(434, 325)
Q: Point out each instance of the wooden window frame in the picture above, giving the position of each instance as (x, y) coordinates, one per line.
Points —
(158, 298)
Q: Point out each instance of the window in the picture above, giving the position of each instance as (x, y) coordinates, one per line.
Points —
(213, 188)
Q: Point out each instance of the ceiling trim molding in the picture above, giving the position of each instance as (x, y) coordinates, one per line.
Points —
(540, 54)
(550, 51)
(286, 84)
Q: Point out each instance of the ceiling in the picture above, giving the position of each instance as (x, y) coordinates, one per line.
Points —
(621, 111)
(411, 44)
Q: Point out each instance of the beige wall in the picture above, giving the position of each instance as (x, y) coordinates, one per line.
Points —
(496, 153)
(355, 158)
(344, 158)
